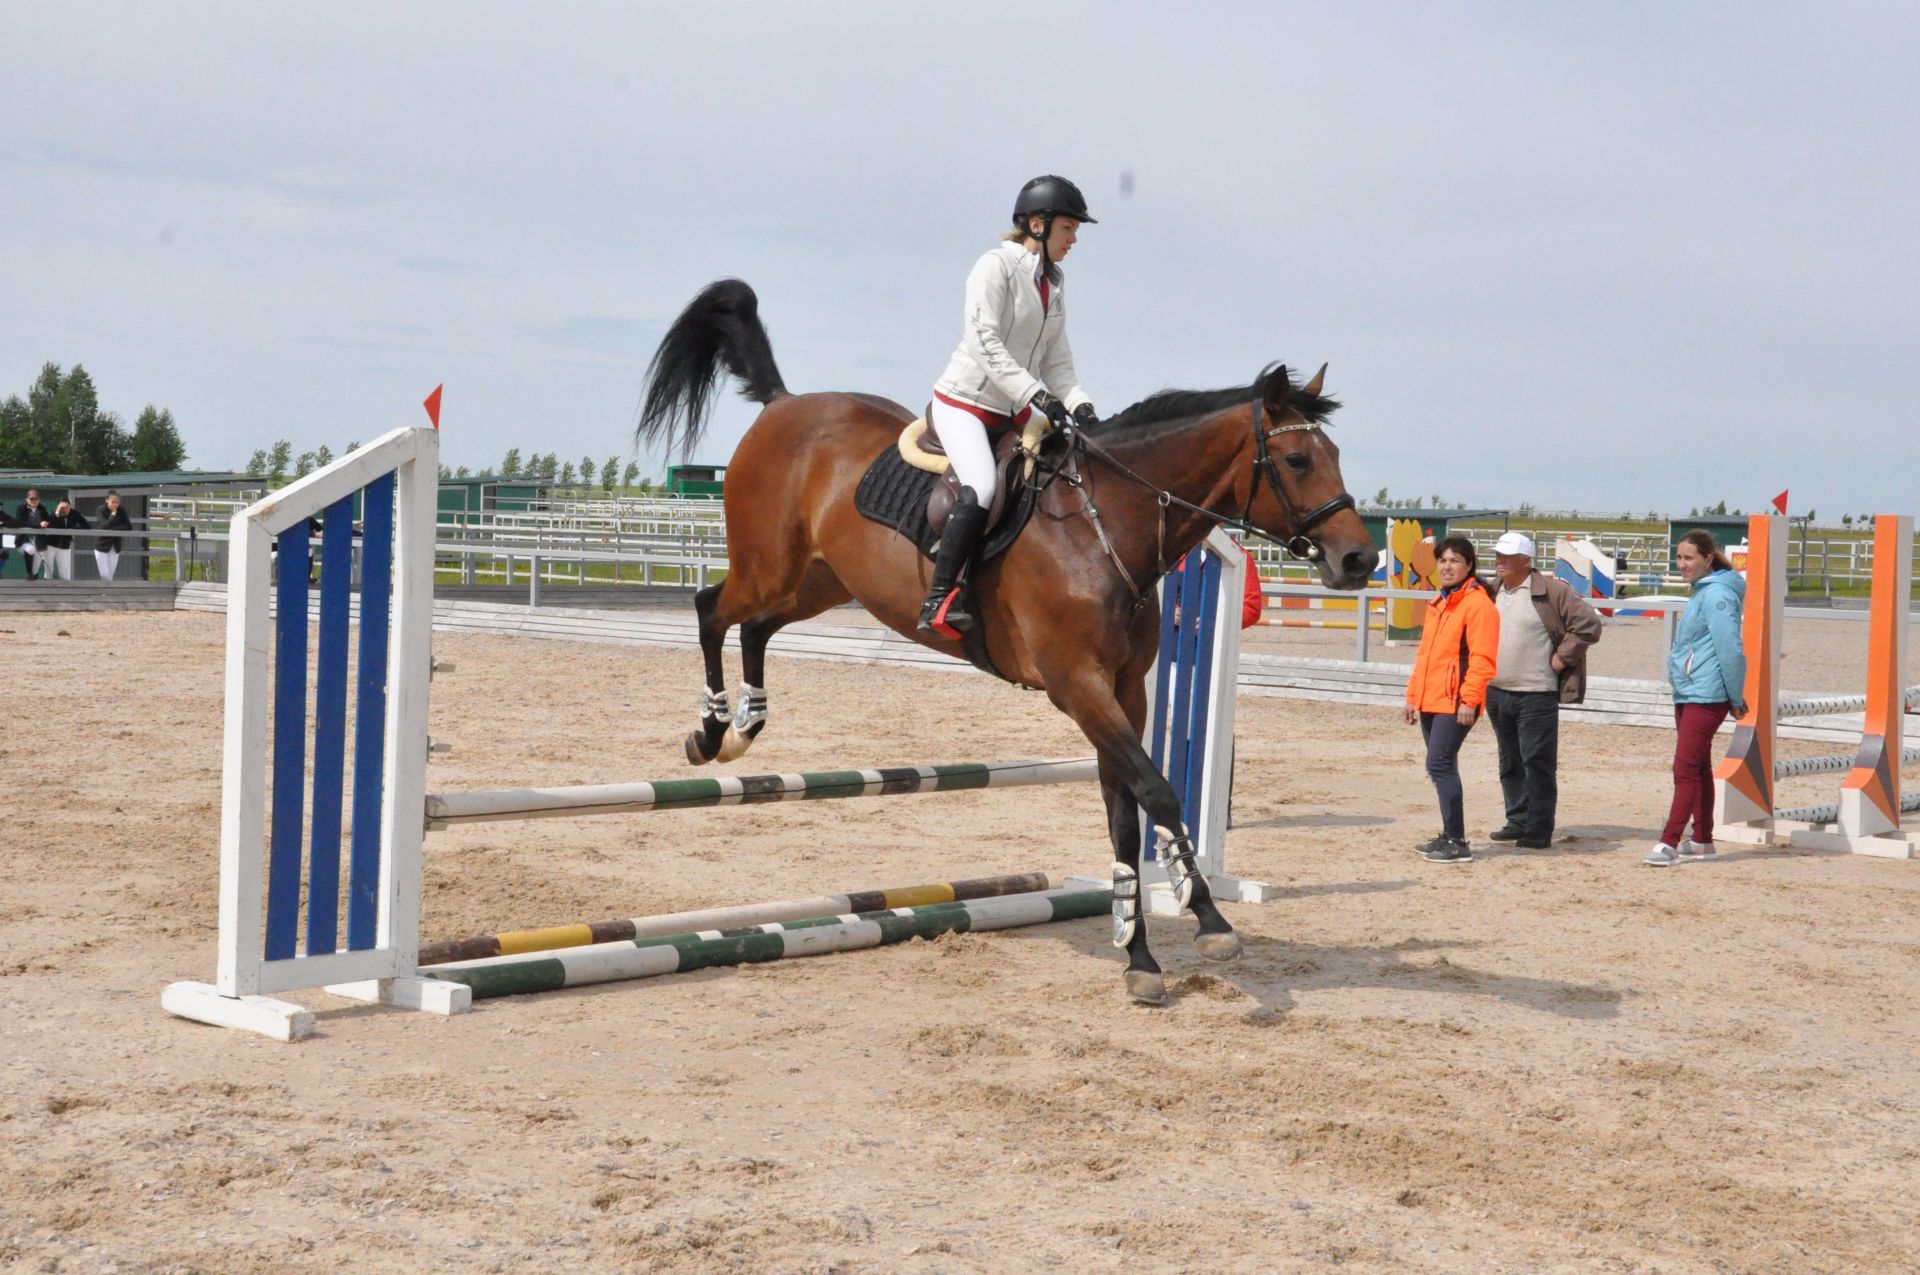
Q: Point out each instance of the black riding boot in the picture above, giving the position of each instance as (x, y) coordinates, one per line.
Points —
(945, 606)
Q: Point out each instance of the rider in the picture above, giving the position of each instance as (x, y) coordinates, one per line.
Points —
(1013, 360)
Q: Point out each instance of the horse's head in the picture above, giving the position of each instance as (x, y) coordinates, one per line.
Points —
(1298, 494)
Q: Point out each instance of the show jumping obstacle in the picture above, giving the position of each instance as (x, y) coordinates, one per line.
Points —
(285, 838)
(739, 916)
(1866, 818)
(549, 971)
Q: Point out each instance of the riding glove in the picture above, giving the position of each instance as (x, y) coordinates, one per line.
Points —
(1052, 408)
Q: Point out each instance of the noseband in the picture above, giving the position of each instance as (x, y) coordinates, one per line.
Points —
(1297, 542)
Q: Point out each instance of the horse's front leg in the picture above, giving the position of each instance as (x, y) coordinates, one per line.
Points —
(1127, 779)
(1144, 981)
(1216, 940)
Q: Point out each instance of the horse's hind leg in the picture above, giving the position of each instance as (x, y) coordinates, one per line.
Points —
(704, 744)
(819, 589)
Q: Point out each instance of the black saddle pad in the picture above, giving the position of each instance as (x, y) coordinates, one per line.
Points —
(894, 494)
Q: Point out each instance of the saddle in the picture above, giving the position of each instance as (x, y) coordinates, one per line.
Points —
(910, 486)
(920, 447)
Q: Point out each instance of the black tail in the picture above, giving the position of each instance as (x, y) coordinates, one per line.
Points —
(719, 328)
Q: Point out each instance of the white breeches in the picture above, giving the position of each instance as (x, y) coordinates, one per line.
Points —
(965, 440)
(108, 562)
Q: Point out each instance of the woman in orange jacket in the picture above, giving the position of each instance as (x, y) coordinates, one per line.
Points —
(1448, 687)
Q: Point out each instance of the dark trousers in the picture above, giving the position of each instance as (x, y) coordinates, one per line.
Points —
(1527, 726)
(1444, 735)
(1693, 771)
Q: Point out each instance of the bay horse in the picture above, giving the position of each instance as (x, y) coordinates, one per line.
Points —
(1071, 608)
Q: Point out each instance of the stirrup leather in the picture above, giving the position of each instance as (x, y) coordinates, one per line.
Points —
(1126, 904)
(1183, 873)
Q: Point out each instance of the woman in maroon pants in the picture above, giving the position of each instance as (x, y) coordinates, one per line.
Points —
(1708, 670)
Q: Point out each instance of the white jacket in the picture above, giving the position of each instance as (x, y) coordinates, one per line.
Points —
(1011, 349)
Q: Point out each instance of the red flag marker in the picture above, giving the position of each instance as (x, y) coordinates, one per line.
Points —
(1779, 502)
(433, 404)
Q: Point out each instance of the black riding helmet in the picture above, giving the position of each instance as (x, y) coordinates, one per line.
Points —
(1051, 197)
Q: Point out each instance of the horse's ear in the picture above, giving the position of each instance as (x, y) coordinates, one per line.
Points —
(1275, 386)
(1319, 379)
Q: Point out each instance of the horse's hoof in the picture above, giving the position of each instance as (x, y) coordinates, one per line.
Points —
(695, 755)
(734, 744)
(1219, 947)
(1146, 987)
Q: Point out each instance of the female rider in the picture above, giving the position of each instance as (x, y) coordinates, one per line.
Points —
(1013, 360)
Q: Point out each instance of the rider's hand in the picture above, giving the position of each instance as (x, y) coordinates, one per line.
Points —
(1052, 408)
(1410, 714)
(1085, 417)
(1466, 715)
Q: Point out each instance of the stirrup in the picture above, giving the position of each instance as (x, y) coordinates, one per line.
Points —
(937, 614)
(1182, 872)
(1126, 904)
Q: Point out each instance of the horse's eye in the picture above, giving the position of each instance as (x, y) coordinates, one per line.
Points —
(1299, 462)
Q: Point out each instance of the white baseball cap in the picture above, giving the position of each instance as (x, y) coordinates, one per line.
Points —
(1514, 542)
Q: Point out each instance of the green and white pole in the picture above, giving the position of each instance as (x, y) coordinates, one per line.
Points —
(708, 949)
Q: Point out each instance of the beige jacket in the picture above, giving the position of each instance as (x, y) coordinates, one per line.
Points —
(1011, 348)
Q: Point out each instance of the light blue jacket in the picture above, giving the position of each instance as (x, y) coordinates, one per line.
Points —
(1707, 664)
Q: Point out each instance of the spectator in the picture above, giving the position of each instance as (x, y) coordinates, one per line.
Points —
(60, 548)
(106, 549)
(1545, 630)
(1708, 671)
(1459, 644)
(1254, 603)
(31, 514)
(6, 542)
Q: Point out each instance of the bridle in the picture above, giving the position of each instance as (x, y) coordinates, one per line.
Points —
(1296, 542)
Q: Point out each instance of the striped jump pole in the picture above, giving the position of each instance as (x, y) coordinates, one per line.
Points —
(784, 940)
(550, 938)
(744, 790)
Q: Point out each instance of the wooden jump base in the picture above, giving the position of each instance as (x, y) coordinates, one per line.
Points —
(1867, 817)
(741, 790)
(551, 938)
(816, 936)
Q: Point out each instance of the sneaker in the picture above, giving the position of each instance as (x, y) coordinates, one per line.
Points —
(1662, 856)
(1691, 851)
(1508, 833)
(1531, 842)
(1447, 850)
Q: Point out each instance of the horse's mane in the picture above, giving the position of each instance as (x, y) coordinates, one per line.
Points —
(1178, 406)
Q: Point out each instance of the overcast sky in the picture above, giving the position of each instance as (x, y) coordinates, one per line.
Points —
(1579, 255)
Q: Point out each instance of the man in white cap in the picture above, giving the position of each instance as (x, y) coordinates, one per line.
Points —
(1545, 630)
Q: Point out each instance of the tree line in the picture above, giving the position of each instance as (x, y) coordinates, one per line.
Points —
(60, 427)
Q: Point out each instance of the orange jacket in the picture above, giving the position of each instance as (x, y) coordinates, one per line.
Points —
(1466, 617)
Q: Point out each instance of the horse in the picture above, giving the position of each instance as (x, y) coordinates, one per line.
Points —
(1070, 608)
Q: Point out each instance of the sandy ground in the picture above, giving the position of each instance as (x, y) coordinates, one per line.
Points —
(1557, 1061)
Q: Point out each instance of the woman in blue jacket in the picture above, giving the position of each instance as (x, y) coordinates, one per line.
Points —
(1708, 671)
